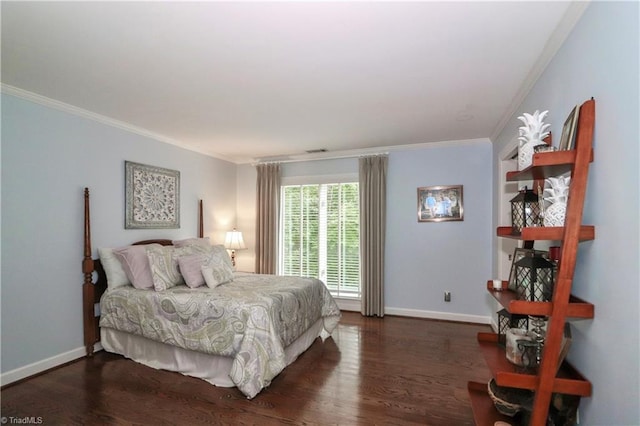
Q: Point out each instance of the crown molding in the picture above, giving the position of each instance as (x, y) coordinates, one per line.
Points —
(567, 23)
(80, 112)
(380, 150)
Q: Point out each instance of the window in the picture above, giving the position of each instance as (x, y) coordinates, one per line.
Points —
(320, 235)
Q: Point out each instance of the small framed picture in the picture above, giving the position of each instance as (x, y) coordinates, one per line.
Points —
(440, 203)
(567, 141)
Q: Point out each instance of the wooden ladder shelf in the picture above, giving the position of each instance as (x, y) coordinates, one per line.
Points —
(550, 377)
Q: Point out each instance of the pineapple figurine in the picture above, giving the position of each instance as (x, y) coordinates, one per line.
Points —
(558, 193)
(532, 134)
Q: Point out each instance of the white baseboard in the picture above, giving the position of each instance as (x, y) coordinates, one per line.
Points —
(40, 366)
(446, 316)
(354, 305)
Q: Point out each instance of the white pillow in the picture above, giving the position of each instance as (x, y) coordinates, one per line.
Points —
(116, 277)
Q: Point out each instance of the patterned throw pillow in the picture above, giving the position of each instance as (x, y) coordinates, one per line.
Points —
(192, 242)
(224, 257)
(217, 268)
(163, 262)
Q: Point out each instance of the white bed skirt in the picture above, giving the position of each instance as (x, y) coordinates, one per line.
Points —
(212, 368)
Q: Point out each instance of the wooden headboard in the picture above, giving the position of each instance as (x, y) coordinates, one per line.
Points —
(93, 291)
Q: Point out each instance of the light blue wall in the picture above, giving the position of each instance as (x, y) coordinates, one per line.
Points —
(48, 157)
(425, 259)
(600, 59)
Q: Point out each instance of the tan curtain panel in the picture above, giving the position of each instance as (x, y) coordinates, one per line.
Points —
(373, 207)
(267, 206)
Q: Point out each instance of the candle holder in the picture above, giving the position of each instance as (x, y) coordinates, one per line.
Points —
(534, 277)
(525, 211)
(538, 331)
(529, 351)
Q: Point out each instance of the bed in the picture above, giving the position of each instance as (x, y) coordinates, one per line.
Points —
(241, 332)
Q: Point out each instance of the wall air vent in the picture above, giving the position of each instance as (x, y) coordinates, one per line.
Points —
(315, 151)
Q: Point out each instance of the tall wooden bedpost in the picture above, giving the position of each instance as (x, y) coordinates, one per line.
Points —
(87, 287)
(200, 220)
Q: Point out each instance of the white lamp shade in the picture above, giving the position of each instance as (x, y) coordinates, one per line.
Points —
(234, 241)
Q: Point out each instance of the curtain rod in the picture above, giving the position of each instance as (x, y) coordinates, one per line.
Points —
(329, 157)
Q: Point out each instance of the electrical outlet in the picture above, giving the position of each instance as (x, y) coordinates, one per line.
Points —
(447, 296)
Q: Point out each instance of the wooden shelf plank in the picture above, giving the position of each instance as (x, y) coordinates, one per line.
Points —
(577, 308)
(568, 380)
(546, 164)
(505, 373)
(539, 233)
(484, 412)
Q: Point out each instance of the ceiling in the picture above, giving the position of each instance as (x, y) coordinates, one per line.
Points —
(245, 81)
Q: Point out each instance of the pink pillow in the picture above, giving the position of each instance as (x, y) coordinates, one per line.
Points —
(191, 269)
(135, 263)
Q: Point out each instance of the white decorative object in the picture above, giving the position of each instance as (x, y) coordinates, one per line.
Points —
(531, 134)
(558, 193)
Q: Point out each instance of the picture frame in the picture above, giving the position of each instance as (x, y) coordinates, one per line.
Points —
(152, 197)
(518, 254)
(567, 139)
(440, 203)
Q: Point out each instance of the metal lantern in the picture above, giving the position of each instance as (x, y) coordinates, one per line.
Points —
(525, 210)
(534, 277)
(507, 320)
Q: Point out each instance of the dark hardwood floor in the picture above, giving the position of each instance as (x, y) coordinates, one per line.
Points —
(391, 371)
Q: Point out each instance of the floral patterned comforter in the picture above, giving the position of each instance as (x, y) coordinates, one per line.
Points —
(251, 319)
